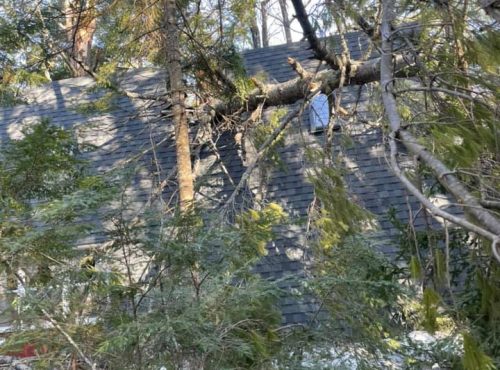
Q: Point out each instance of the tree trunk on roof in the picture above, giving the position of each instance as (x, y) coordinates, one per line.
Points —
(80, 19)
(178, 90)
(291, 91)
(286, 21)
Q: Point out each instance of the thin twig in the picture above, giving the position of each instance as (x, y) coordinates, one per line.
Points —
(58, 327)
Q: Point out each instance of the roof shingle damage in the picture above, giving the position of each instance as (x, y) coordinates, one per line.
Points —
(130, 129)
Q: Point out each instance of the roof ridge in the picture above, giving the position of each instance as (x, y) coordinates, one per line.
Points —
(297, 43)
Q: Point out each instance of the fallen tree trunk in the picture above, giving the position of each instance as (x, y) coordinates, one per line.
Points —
(328, 80)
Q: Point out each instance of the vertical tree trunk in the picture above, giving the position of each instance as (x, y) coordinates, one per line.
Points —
(80, 19)
(286, 21)
(177, 88)
(254, 31)
(265, 31)
(221, 15)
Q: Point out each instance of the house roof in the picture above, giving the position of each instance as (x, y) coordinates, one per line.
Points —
(273, 60)
(132, 133)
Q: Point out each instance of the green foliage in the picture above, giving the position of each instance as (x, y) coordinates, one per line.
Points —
(105, 74)
(359, 289)
(243, 87)
(229, 326)
(24, 58)
(41, 165)
(474, 358)
(338, 216)
(474, 306)
(256, 226)
(357, 286)
(263, 130)
(485, 51)
(207, 308)
(430, 304)
(472, 134)
(45, 196)
(12, 83)
(415, 268)
(200, 305)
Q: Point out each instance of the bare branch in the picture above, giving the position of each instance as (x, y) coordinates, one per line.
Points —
(297, 67)
(493, 204)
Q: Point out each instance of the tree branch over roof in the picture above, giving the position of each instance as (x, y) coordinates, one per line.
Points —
(489, 225)
(319, 50)
(328, 80)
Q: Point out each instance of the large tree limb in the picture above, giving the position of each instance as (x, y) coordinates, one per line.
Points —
(489, 226)
(328, 80)
(448, 179)
(319, 50)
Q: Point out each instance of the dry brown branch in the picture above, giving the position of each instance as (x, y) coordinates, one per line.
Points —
(297, 67)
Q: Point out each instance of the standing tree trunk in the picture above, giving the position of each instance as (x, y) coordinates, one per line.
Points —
(265, 31)
(80, 18)
(286, 21)
(177, 88)
(254, 30)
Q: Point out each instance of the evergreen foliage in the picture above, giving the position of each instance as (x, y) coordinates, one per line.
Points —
(178, 290)
(215, 315)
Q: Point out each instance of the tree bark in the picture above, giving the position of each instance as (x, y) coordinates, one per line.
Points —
(177, 88)
(448, 179)
(254, 31)
(320, 52)
(265, 32)
(289, 92)
(80, 17)
(286, 21)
